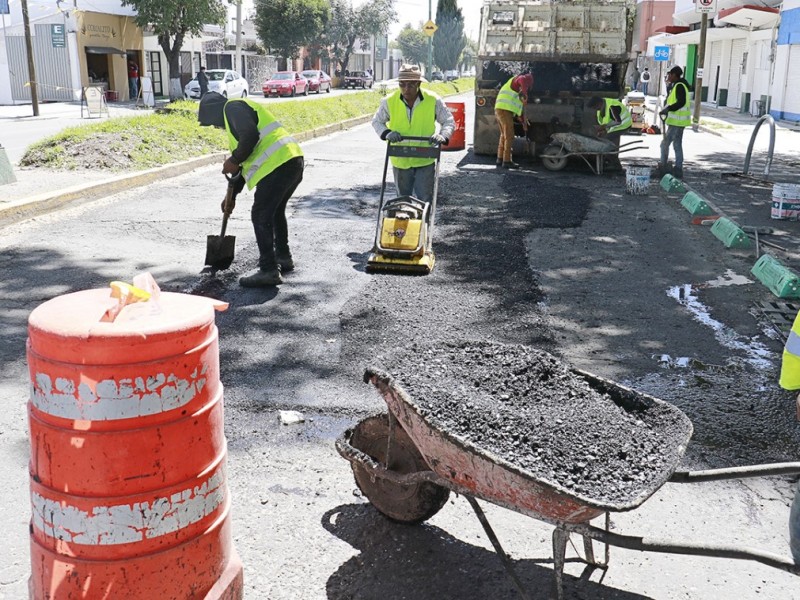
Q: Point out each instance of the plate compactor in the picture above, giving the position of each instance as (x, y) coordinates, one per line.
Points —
(404, 233)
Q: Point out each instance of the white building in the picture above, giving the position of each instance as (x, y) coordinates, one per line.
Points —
(752, 55)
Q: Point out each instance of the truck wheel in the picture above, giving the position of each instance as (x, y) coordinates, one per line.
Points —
(409, 504)
(794, 526)
(554, 158)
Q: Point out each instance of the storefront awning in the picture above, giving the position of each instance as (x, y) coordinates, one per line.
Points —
(104, 50)
(713, 34)
(749, 16)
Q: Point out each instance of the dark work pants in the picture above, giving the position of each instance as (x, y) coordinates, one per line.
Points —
(269, 211)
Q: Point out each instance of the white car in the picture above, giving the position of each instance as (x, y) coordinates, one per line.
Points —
(224, 81)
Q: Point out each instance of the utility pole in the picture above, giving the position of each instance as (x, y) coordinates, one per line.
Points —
(239, 37)
(31, 68)
(698, 82)
(429, 70)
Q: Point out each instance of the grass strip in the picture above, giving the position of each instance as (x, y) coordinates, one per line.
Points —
(173, 133)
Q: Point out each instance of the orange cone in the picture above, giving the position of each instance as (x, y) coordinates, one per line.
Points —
(129, 495)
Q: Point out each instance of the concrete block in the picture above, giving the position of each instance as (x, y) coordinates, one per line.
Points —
(672, 185)
(696, 205)
(776, 277)
(730, 234)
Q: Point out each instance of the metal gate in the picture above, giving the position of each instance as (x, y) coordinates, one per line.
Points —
(712, 74)
(738, 48)
(52, 67)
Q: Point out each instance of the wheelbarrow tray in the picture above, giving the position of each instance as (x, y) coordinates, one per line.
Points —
(582, 144)
(470, 469)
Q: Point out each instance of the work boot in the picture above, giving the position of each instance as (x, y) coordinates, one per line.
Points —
(259, 278)
(499, 163)
(285, 262)
(510, 164)
(677, 172)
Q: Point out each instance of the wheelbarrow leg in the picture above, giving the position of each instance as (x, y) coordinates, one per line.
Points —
(498, 548)
(560, 539)
(589, 548)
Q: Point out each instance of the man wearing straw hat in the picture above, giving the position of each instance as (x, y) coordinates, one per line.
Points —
(410, 112)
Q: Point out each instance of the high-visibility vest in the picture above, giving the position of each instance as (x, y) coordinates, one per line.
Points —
(508, 99)
(683, 116)
(790, 365)
(275, 146)
(624, 115)
(422, 124)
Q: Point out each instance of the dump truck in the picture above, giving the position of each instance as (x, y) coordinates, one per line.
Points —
(575, 50)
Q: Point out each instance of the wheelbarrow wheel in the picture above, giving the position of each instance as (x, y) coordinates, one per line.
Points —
(408, 504)
(554, 158)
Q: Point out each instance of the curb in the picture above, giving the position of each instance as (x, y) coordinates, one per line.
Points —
(34, 206)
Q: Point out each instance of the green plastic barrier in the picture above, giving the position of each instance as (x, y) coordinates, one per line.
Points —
(777, 278)
(696, 205)
(672, 185)
(730, 233)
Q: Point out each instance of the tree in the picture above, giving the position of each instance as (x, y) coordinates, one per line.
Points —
(348, 25)
(287, 25)
(413, 44)
(172, 21)
(449, 40)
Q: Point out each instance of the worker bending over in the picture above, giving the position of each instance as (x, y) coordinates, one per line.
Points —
(510, 106)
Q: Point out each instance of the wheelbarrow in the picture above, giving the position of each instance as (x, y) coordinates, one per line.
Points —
(407, 467)
(592, 150)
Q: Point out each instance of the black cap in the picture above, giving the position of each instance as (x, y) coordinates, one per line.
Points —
(676, 71)
(210, 111)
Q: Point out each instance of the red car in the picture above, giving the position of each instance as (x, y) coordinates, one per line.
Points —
(285, 83)
(318, 81)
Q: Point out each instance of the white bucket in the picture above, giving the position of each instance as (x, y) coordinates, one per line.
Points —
(637, 180)
(786, 201)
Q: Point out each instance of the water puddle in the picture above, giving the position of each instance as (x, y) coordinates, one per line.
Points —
(758, 355)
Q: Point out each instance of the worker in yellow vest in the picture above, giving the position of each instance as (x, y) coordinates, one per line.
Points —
(270, 161)
(613, 119)
(410, 112)
(790, 365)
(508, 107)
(678, 116)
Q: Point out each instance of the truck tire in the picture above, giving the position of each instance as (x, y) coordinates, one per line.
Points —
(794, 526)
(554, 158)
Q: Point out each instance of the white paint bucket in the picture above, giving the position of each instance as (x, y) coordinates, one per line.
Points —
(637, 180)
(786, 201)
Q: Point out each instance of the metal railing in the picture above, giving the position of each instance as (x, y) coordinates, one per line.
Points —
(770, 152)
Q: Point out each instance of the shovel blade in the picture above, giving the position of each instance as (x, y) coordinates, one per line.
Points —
(219, 251)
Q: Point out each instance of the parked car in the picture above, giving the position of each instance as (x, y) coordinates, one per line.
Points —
(285, 83)
(437, 76)
(224, 81)
(450, 75)
(318, 81)
(358, 79)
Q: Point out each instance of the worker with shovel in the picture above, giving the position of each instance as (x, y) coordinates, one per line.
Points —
(613, 118)
(270, 161)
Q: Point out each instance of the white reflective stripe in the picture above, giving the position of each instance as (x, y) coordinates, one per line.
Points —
(109, 399)
(268, 129)
(793, 344)
(128, 523)
(266, 155)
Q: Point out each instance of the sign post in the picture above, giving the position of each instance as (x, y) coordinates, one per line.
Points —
(705, 7)
(429, 29)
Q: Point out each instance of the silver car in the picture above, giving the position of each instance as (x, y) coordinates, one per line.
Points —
(224, 81)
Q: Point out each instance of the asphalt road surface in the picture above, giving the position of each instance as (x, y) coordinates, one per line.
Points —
(614, 284)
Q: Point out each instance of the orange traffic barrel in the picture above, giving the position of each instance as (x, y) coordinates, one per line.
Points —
(458, 139)
(129, 495)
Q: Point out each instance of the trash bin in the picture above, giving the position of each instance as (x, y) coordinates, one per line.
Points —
(457, 140)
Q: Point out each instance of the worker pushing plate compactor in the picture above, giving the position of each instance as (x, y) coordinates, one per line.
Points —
(404, 234)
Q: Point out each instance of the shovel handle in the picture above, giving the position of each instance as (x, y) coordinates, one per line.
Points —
(225, 216)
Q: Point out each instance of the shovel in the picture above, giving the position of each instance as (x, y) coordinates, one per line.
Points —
(219, 248)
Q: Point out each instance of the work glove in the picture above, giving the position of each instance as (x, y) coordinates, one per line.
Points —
(394, 137)
(229, 203)
(437, 139)
(664, 112)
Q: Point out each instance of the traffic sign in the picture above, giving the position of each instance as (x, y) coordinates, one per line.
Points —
(661, 53)
(706, 6)
(57, 35)
(429, 28)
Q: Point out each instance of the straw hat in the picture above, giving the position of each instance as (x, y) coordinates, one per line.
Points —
(410, 73)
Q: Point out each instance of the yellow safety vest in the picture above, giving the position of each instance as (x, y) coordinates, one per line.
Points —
(508, 99)
(683, 116)
(790, 365)
(275, 146)
(624, 115)
(422, 124)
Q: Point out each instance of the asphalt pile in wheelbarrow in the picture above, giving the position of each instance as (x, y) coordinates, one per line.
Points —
(527, 407)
